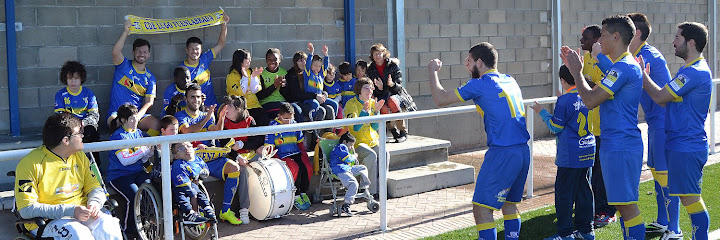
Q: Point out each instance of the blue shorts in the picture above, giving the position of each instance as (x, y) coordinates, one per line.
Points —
(621, 172)
(686, 170)
(217, 167)
(656, 150)
(502, 176)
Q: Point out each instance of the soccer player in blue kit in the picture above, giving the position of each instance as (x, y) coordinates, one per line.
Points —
(687, 99)
(498, 100)
(199, 63)
(618, 96)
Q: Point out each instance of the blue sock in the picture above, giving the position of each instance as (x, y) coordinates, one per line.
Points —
(635, 228)
(486, 231)
(662, 213)
(673, 208)
(622, 224)
(699, 219)
(512, 226)
(231, 183)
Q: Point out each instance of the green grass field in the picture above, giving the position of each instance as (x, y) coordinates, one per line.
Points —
(540, 223)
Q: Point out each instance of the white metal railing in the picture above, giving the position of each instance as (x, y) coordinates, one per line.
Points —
(165, 142)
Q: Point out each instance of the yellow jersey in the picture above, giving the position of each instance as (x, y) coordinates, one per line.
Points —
(233, 81)
(592, 73)
(366, 134)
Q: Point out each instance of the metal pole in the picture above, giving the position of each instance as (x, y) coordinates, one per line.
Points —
(530, 122)
(556, 43)
(10, 42)
(350, 31)
(166, 193)
(712, 44)
(383, 170)
(713, 106)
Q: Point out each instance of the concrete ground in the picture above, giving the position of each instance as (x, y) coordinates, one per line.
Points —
(410, 217)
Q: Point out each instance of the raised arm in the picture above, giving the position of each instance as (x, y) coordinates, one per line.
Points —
(222, 39)
(658, 94)
(439, 95)
(591, 97)
(117, 48)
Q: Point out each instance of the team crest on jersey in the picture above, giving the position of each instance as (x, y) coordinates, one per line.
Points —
(67, 189)
(679, 82)
(611, 77)
(25, 186)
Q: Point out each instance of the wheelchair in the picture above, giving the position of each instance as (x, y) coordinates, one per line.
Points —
(149, 211)
(21, 223)
(330, 181)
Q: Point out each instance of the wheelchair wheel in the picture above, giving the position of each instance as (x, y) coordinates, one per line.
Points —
(148, 209)
(201, 230)
(22, 237)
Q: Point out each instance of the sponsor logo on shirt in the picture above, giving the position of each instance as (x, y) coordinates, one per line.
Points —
(611, 77)
(587, 142)
(679, 82)
(67, 189)
(25, 186)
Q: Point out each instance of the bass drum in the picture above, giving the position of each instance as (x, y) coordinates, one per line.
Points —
(271, 188)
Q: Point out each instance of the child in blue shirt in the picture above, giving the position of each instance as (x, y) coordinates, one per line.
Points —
(314, 74)
(343, 163)
(575, 157)
(347, 83)
(187, 169)
(79, 101)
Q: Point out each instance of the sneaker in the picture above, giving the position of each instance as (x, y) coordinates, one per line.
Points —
(244, 217)
(402, 137)
(395, 135)
(230, 217)
(193, 218)
(670, 235)
(345, 208)
(655, 227)
(584, 236)
(305, 198)
(209, 213)
(300, 203)
(558, 237)
(603, 219)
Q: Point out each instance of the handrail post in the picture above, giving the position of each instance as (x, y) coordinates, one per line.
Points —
(166, 193)
(383, 169)
(530, 123)
(713, 106)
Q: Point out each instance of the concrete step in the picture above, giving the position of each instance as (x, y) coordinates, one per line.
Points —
(431, 177)
(417, 151)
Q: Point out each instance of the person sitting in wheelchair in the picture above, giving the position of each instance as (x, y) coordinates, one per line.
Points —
(187, 169)
(343, 161)
(54, 181)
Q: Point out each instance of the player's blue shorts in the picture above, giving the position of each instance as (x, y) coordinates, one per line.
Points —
(621, 172)
(656, 150)
(217, 167)
(685, 172)
(502, 176)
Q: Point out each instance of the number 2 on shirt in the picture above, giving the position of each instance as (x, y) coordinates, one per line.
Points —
(582, 120)
(514, 104)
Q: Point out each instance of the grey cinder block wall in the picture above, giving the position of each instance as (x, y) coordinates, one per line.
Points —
(55, 31)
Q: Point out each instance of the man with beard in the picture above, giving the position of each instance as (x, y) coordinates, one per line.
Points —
(193, 120)
(498, 99)
(133, 83)
(618, 96)
(687, 99)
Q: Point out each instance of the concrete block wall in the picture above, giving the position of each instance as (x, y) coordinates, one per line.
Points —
(58, 31)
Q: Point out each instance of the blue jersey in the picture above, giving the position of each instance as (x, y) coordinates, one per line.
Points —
(200, 75)
(184, 172)
(286, 143)
(575, 143)
(333, 89)
(130, 86)
(618, 114)
(686, 114)
(169, 93)
(115, 168)
(659, 73)
(341, 158)
(348, 90)
(498, 99)
(186, 119)
(79, 104)
(314, 82)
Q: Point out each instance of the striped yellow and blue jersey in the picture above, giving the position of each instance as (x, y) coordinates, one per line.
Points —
(686, 114)
(285, 143)
(314, 82)
(348, 90)
(575, 144)
(618, 114)
(333, 89)
(79, 104)
(115, 167)
(169, 93)
(592, 73)
(659, 73)
(498, 100)
(130, 86)
(184, 172)
(186, 119)
(200, 75)
(341, 159)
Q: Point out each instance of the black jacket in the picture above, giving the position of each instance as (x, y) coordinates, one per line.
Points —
(391, 68)
(295, 85)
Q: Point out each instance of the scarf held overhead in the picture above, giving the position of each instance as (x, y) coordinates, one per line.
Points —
(141, 25)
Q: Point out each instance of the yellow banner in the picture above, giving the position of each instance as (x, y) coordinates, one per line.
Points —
(141, 25)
